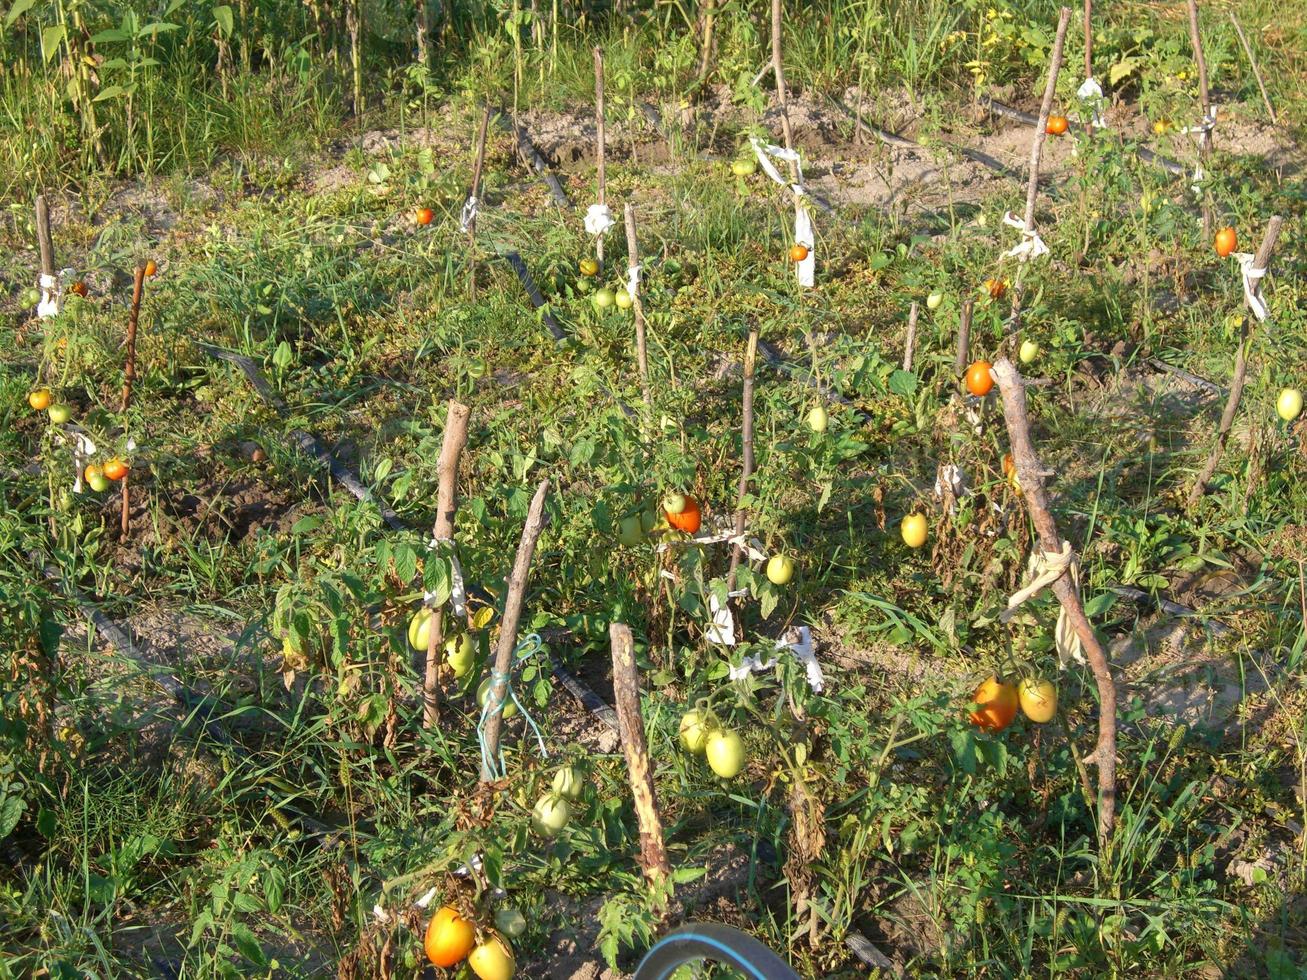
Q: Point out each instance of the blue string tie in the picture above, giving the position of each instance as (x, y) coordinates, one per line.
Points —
(527, 649)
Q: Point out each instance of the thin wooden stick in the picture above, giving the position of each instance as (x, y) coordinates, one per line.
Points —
(1031, 473)
(43, 237)
(626, 695)
(451, 448)
(1089, 39)
(475, 195)
(129, 374)
(507, 643)
(1261, 261)
(963, 354)
(1036, 151)
(708, 16)
(1205, 138)
(746, 468)
(423, 32)
(1252, 62)
(641, 351)
(599, 145)
(910, 345)
(782, 94)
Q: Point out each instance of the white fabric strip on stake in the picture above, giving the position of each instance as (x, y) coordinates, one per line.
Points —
(1252, 285)
(803, 234)
(798, 643)
(469, 214)
(1031, 245)
(633, 281)
(457, 589)
(52, 293)
(83, 449)
(598, 219)
(1091, 93)
(1045, 568)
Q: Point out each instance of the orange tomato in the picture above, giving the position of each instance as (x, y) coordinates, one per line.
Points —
(150, 267)
(995, 288)
(450, 937)
(115, 469)
(1057, 125)
(996, 705)
(979, 381)
(1226, 242)
(79, 288)
(798, 252)
(687, 520)
(424, 216)
(39, 399)
(1010, 471)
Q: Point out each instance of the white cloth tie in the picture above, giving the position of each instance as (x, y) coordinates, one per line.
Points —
(1031, 245)
(633, 281)
(1091, 93)
(803, 233)
(1045, 568)
(457, 589)
(598, 219)
(469, 215)
(1252, 285)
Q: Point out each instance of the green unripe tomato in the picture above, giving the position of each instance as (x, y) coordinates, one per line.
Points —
(59, 413)
(780, 569)
(550, 815)
(1028, 352)
(818, 418)
(603, 298)
(629, 531)
(483, 695)
(934, 300)
(568, 782)
(30, 297)
(623, 299)
(696, 726)
(744, 167)
(725, 751)
(460, 654)
(510, 922)
(476, 368)
(419, 629)
(1289, 405)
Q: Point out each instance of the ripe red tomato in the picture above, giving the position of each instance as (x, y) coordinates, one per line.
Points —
(115, 469)
(450, 937)
(979, 381)
(687, 520)
(996, 705)
(150, 268)
(1226, 242)
(1057, 125)
(798, 252)
(424, 216)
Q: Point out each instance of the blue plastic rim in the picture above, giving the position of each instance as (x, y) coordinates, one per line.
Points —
(716, 943)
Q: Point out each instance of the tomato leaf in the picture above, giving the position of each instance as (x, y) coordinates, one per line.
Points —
(51, 38)
(19, 8)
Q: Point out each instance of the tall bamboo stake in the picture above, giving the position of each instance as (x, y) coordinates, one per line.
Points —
(1089, 39)
(600, 146)
(451, 448)
(641, 351)
(129, 374)
(1036, 151)
(782, 94)
(626, 695)
(1252, 63)
(1031, 472)
(507, 642)
(475, 195)
(1260, 261)
(1205, 137)
(746, 467)
(707, 19)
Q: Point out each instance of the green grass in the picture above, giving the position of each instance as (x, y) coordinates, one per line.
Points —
(137, 839)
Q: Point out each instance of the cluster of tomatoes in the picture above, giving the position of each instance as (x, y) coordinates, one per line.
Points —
(996, 702)
(451, 939)
(605, 297)
(702, 734)
(97, 475)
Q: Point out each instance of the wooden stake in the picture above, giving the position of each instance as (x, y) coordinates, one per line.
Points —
(43, 237)
(1036, 151)
(1246, 332)
(507, 643)
(1252, 62)
(599, 146)
(129, 374)
(451, 448)
(911, 342)
(626, 694)
(1205, 139)
(1031, 473)
(475, 194)
(641, 351)
(782, 95)
(1089, 39)
(962, 358)
(707, 17)
(423, 32)
(746, 469)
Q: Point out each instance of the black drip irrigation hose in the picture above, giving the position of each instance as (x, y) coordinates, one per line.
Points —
(714, 942)
(1143, 152)
(534, 158)
(537, 298)
(591, 701)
